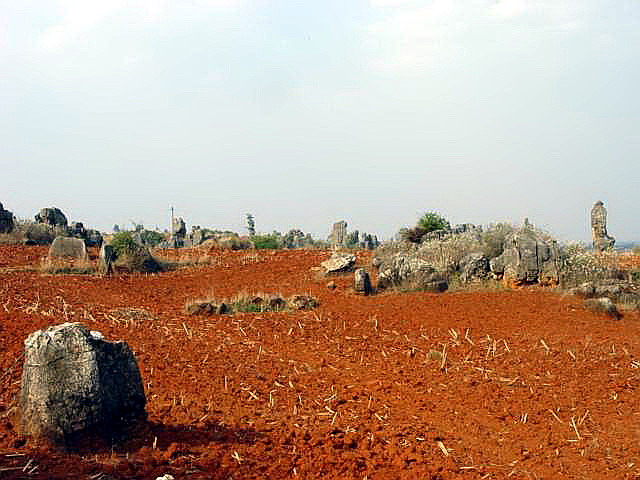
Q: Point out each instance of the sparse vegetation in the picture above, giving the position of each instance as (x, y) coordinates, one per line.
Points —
(29, 232)
(265, 241)
(427, 223)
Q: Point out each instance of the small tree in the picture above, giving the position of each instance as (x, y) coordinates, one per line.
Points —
(432, 221)
(251, 225)
(429, 222)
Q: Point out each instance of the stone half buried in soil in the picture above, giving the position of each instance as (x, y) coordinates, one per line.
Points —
(339, 263)
(74, 383)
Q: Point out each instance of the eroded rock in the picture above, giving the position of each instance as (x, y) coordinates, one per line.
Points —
(75, 382)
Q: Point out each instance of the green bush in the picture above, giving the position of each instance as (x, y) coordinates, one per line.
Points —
(124, 244)
(432, 221)
(151, 237)
(265, 241)
(635, 276)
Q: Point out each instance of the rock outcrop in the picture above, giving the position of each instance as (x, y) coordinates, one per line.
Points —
(75, 382)
(68, 248)
(51, 216)
(338, 235)
(529, 257)
(405, 270)
(339, 263)
(601, 239)
(6, 220)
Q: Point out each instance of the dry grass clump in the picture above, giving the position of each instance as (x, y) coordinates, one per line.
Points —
(61, 266)
(245, 302)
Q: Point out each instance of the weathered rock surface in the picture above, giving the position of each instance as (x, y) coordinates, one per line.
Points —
(51, 216)
(106, 259)
(405, 270)
(528, 258)
(338, 235)
(601, 239)
(362, 282)
(474, 266)
(68, 247)
(623, 293)
(6, 220)
(339, 262)
(75, 382)
(603, 305)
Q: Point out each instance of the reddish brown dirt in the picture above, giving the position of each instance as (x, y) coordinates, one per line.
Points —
(530, 384)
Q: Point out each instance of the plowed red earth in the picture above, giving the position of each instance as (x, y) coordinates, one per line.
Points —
(503, 384)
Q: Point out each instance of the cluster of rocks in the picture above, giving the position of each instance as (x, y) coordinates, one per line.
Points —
(341, 238)
(55, 221)
(74, 382)
(130, 258)
(253, 303)
(527, 257)
(604, 295)
(6, 220)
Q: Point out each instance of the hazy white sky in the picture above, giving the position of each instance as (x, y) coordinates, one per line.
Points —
(307, 112)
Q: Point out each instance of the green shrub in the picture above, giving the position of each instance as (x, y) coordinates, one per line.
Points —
(151, 237)
(635, 276)
(432, 221)
(123, 244)
(265, 241)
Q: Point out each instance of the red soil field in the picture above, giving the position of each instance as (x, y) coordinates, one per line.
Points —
(502, 384)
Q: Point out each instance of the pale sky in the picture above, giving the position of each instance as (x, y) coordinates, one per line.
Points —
(308, 112)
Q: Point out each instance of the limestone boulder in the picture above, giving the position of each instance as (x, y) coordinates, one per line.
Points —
(601, 239)
(529, 257)
(339, 263)
(408, 271)
(76, 382)
(68, 248)
(473, 267)
(362, 282)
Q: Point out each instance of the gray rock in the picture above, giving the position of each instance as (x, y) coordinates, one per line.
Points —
(107, 259)
(474, 266)
(52, 216)
(407, 271)
(602, 305)
(68, 247)
(75, 382)
(601, 239)
(338, 235)
(586, 290)
(362, 282)
(528, 258)
(339, 262)
(6, 220)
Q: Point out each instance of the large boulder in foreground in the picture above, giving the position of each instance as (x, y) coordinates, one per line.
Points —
(74, 382)
(529, 257)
